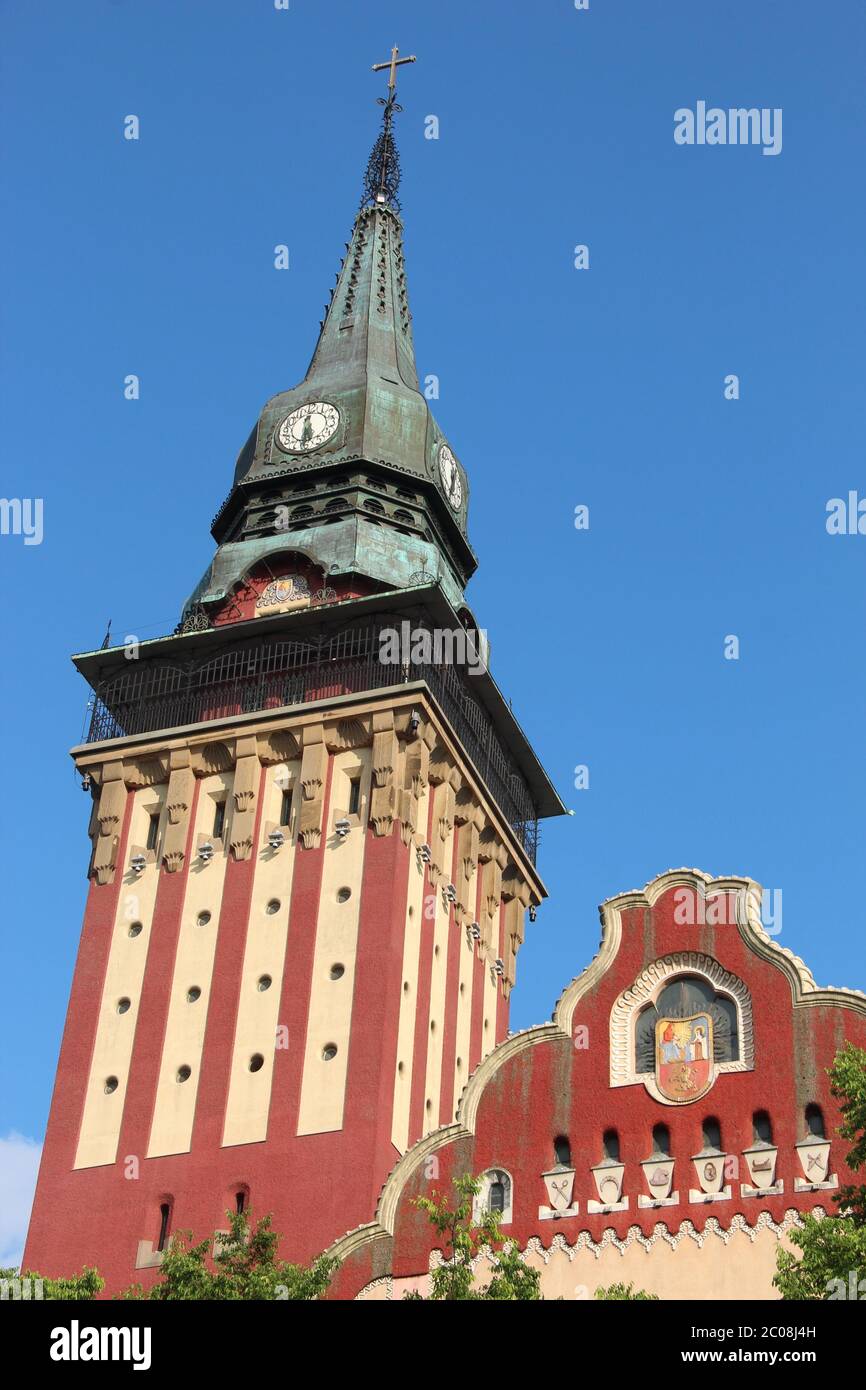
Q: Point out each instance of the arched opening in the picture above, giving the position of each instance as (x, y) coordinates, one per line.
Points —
(661, 1140)
(610, 1146)
(762, 1127)
(712, 1132)
(562, 1151)
(815, 1122)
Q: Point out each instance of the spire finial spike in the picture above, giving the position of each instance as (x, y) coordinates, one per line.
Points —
(382, 177)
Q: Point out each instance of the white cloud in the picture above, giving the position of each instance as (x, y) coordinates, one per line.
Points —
(19, 1164)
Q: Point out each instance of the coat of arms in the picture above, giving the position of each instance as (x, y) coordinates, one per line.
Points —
(684, 1057)
(290, 589)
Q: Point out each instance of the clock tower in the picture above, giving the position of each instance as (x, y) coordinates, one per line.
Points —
(314, 827)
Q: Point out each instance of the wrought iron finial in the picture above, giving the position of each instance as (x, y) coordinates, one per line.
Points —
(382, 176)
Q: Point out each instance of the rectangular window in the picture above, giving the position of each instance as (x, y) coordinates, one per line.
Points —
(219, 820)
(240, 1202)
(153, 830)
(286, 808)
(354, 796)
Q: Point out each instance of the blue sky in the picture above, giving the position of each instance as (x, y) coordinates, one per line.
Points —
(559, 387)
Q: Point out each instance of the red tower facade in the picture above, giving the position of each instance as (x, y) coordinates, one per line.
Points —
(313, 834)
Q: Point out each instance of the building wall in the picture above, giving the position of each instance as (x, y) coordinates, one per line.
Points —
(565, 1079)
(253, 964)
(724, 1266)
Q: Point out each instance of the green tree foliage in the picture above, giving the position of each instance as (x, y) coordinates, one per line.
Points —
(245, 1267)
(625, 1293)
(833, 1248)
(848, 1082)
(833, 1260)
(79, 1287)
(463, 1238)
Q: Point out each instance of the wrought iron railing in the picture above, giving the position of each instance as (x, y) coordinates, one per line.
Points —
(253, 676)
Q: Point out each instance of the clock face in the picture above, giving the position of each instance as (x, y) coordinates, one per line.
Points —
(449, 472)
(308, 428)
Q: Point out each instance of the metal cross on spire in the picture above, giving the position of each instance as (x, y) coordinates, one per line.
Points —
(382, 178)
(392, 65)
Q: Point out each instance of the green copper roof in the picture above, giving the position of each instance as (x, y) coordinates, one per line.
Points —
(360, 404)
(364, 365)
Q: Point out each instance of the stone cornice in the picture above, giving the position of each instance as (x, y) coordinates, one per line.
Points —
(343, 721)
(738, 1225)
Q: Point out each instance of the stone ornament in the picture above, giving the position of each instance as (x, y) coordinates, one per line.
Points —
(608, 1177)
(686, 1231)
(292, 591)
(761, 1163)
(814, 1156)
(658, 1171)
(559, 1184)
(181, 790)
(109, 816)
(676, 1056)
(710, 1173)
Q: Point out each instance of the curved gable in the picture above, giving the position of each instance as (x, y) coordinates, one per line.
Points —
(576, 1076)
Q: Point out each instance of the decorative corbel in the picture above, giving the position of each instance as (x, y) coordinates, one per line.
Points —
(385, 757)
(348, 733)
(314, 767)
(210, 758)
(440, 765)
(109, 817)
(417, 766)
(443, 821)
(493, 856)
(517, 896)
(244, 788)
(468, 817)
(513, 940)
(407, 814)
(491, 848)
(145, 772)
(283, 746)
(181, 783)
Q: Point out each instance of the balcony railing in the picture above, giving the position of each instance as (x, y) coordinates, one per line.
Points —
(255, 676)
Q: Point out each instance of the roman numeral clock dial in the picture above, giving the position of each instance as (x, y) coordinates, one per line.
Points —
(449, 472)
(308, 427)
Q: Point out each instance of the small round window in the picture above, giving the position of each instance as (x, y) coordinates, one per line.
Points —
(135, 929)
(110, 1085)
(184, 1073)
(257, 1061)
(329, 1052)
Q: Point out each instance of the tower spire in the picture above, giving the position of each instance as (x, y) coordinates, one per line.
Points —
(382, 176)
